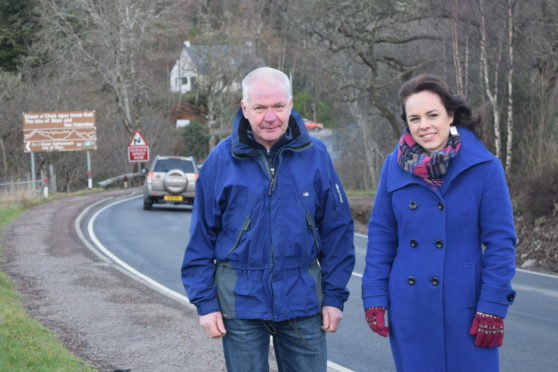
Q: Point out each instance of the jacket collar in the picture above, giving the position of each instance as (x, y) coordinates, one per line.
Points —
(242, 146)
(472, 152)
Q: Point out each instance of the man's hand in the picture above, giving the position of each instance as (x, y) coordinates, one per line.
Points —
(331, 317)
(213, 324)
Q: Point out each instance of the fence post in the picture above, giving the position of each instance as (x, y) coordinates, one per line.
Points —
(45, 187)
(89, 173)
(52, 178)
(32, 171)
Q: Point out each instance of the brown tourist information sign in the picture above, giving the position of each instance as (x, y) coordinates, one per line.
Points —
(59, 131)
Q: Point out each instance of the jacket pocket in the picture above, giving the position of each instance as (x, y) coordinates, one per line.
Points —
(315, 272)
(471, 277)
(225, 282)
(245, 227)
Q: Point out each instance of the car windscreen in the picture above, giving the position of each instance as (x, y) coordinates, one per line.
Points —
(165, 165)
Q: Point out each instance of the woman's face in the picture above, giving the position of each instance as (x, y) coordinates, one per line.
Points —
(428, 120)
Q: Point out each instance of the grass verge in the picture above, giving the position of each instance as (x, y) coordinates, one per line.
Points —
(25, 344)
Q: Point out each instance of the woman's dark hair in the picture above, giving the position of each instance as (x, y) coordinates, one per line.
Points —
(454, 104)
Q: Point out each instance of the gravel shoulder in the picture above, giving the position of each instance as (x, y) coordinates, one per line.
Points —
(101, 315)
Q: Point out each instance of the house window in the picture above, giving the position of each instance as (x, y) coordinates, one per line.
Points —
(185, 80)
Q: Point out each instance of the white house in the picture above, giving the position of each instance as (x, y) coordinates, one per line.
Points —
(184, 72)
(195, 60)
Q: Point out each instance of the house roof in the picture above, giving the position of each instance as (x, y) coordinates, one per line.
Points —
(242, 57)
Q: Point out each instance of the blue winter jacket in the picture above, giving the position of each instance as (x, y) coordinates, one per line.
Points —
(269, 241)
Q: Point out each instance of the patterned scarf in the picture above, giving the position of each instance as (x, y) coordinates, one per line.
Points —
(413, 158)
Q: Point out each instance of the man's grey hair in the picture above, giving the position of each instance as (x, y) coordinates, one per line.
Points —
(266, 73)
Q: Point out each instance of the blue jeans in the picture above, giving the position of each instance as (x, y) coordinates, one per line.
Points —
(300, 345)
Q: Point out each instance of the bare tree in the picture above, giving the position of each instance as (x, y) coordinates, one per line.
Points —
(368, 49)
(459, 80)
(503, 139)
(113, 39)
(509, 139)
(491, 93)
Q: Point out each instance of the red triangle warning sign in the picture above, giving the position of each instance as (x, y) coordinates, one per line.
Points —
(137, 140)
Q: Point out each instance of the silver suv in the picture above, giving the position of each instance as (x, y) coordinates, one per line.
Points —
(171, 180)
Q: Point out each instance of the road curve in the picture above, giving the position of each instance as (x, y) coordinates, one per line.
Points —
(98, 312)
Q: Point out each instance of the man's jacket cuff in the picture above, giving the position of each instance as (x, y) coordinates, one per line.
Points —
(207, 307)
(333, 301)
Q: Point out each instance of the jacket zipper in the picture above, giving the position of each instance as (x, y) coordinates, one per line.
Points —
(310, 224)
(272, 173)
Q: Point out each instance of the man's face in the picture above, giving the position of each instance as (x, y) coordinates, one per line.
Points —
(268, 108)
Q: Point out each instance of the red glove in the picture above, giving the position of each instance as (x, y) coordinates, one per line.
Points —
(375, 319)
(489, 330)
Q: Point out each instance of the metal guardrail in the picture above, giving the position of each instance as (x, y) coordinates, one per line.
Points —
(120, 179)
(123, 179)
(13, 183)
(21, 185)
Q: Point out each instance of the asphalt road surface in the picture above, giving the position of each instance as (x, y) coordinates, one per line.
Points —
(151, 243)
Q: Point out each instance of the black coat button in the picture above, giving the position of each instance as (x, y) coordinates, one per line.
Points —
(411, 280)
(413, 205)
(439, 244)
(440, 206)
(435, 281)
(413, 243)
(511, 296)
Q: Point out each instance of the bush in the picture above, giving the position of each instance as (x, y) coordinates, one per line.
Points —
(537, 196)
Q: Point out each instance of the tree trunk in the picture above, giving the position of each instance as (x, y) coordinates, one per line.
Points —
(509, 144)
(371, 148)
(492, 96)
(211, 122)
(455, 45)
(4, 156)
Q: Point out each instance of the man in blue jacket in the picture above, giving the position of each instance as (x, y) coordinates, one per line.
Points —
(271, 239)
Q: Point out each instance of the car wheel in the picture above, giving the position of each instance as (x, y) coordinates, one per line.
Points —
(316, 129)
(147, 205)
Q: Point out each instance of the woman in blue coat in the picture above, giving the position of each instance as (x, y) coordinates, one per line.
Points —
(441, 239)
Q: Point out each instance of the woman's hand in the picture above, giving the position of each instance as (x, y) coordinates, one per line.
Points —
(375, 317)
(488, 329)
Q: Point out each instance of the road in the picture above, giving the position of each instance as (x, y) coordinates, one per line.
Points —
(152, 243)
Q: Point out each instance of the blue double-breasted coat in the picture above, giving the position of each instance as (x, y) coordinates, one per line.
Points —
(435, 257)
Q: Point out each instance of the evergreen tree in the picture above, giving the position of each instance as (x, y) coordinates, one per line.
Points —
(18, 24)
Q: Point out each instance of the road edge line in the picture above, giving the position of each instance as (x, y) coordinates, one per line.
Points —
(132, 273)
(101, 251)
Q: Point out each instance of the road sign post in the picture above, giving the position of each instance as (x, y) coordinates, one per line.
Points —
(89, 173)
